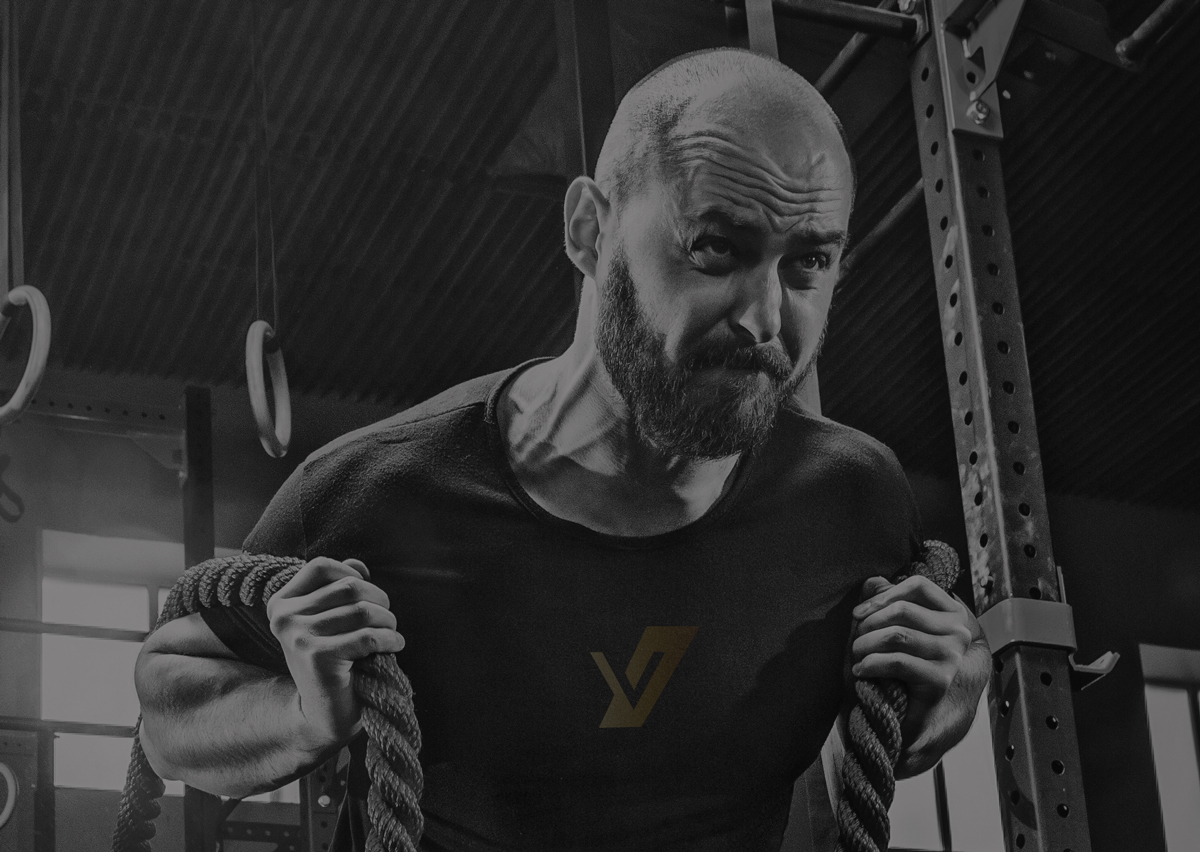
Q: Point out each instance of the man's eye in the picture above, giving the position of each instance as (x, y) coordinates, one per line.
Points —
(815, 262)
(717, 248)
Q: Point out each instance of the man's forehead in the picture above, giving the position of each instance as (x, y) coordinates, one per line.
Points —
(713, 177)
(794, 126)
(770, 158)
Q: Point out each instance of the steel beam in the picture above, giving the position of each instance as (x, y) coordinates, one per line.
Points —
(22, 625)
(999, 462)
(1137, 46)
(862, 19)
(53, 726)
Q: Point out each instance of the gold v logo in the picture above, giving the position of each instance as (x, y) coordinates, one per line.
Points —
(671, 642)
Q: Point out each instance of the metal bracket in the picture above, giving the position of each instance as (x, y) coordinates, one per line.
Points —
(1084, 675)
(1026, 621)
(973, 37)
(1030, 622)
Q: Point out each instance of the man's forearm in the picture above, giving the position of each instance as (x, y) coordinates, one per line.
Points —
(223, 726)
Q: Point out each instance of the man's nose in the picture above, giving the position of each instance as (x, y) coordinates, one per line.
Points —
(756, 316)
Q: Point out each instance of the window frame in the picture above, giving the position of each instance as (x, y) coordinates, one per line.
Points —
(1173, 668)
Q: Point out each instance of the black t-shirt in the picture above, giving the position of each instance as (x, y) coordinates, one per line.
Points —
(582, 690)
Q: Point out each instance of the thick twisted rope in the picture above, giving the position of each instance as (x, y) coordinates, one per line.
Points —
(869, 765)
(393, 739)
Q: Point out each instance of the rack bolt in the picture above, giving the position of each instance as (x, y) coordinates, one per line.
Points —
(979, 111)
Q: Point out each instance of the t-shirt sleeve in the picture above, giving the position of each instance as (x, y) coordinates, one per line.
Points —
(245, 630)
(892, 506)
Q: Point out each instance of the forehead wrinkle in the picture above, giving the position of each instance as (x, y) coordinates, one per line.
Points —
(741, 175)
(762, 203)
(713, 148)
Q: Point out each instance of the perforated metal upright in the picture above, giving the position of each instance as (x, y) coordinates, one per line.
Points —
(958, 117)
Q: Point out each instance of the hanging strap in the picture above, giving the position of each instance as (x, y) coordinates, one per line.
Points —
(13, 292)
(262, 338)
(266, 305)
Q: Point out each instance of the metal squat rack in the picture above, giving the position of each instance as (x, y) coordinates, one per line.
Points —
(957, 50)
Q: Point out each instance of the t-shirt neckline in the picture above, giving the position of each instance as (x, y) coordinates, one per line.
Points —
(715, 512)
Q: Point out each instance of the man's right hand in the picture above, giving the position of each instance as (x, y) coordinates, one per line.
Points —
(326, 617)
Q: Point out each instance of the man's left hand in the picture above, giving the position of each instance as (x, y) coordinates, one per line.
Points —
(918, 634)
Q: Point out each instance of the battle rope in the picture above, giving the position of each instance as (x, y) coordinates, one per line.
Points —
(393, 803)
(869, 764)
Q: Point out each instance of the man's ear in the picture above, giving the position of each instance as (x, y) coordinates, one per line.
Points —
(585, 214)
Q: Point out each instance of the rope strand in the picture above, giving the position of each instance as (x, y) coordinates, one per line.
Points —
(869, 765)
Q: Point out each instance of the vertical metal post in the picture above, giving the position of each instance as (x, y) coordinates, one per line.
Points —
(43, 796)
(585, 54)
(199, 536)
(585, 60)
(760, 28)
(1000, 471)
(321, 794)
(200, 810)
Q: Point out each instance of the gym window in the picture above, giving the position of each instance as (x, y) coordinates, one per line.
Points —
(1172, 678)
(954, 807)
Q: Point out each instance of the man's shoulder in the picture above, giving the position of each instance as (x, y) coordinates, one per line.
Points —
(442, 417)
(838, 472)
(820, 440)
(332, 503)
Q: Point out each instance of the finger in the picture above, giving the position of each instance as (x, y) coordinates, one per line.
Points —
(316, 573)
(903, 667)
(347, 619)
(343, 591)
(919, 618)
(902, 640)
(359, 644)
(359, 566)
(916, 589)
(873, 586)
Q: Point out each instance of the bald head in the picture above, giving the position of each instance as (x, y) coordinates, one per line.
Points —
(723, 87)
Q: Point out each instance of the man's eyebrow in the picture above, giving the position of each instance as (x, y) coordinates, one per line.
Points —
(741, 222)
(728, 218)
(820, 237)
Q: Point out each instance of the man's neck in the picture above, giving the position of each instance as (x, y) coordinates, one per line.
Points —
(572, 443)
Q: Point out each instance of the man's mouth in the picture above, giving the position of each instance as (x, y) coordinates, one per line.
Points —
(771, 363)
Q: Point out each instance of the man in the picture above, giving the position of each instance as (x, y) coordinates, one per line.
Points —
(654, 494)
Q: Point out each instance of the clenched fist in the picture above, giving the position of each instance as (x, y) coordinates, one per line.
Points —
(916, 633)
(326, 617)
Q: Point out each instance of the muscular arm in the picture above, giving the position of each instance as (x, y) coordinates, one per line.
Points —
(215, 722)
(228, 727)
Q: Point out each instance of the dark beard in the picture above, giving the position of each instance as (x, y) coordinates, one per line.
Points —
(670, 409)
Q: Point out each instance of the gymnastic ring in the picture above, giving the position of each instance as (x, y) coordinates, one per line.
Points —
(259, 345)
(35, 367)
(11, 781)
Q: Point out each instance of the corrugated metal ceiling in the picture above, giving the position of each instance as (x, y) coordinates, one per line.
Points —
(406, 266)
